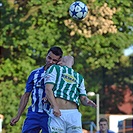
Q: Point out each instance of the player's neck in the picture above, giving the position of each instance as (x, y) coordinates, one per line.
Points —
(69, 66)
(45, 67)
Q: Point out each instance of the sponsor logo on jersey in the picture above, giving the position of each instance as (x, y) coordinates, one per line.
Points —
(69, 78)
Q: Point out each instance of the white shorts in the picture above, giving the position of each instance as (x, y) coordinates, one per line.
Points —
(68, 122)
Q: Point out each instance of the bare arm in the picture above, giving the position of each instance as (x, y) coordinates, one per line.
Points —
(23, 102)
(87, 102)
(51, 99)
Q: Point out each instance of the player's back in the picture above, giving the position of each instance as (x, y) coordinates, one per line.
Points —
(67, 82)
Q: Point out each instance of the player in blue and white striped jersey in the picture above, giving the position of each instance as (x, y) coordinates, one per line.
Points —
(37, 116)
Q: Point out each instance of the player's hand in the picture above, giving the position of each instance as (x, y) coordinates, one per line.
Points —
(56, 111)
(91, 103)
(59, 63)
(14, 121)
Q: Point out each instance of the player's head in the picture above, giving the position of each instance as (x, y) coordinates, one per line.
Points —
(56, 51)
(67, 61)
(103, 124)
(53, 56)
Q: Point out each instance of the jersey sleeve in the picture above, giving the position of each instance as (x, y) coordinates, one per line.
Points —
(29, 83)
(51, 74)
(82, 89)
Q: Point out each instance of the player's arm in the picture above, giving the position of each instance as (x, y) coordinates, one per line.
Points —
(87, 102)
(83, 98)
(51, 99)
(24, 99)
(23, 102)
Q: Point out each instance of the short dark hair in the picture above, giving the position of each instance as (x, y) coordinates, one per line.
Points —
(103, 119)
(56, 50)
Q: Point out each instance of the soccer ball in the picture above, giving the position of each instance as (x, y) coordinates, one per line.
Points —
(78, 10)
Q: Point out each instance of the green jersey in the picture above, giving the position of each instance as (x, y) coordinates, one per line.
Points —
(68, 84)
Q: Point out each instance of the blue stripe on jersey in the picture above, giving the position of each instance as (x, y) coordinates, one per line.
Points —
(35, 85)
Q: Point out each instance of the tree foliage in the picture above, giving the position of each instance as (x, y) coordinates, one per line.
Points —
(29, 28)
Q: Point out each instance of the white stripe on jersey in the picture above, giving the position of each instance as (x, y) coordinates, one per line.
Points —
(34, 98)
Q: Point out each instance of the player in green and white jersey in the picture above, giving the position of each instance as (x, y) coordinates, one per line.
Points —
(64, 88)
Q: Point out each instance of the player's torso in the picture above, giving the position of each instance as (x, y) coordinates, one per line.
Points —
(65, 104)
(38, 92)
(67, 85)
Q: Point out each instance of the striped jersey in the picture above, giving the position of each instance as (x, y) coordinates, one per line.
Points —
(35, 85)
(68, 84)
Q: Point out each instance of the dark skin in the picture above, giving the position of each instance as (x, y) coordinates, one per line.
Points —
(50, 60)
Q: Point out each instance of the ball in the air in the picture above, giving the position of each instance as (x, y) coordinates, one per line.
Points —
(78, 10)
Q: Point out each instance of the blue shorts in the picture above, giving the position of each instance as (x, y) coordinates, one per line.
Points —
(35, 122)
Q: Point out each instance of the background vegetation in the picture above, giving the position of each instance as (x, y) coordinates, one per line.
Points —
(30, 27)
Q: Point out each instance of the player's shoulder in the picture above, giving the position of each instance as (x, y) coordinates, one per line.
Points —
(38, 70)
(98, 132)
(54, 66)
(80, 75)
(110, 131)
